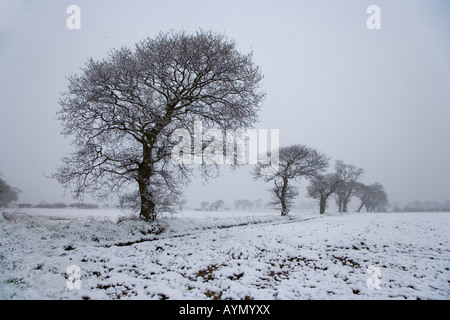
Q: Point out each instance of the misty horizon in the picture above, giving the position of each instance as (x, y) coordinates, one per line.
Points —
(377, 99)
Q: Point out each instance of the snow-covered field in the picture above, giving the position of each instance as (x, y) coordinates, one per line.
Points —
(224, 255)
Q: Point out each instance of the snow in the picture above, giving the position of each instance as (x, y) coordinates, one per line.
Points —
(224, 255)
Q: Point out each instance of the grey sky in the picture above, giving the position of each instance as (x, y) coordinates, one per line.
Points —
(378, 99)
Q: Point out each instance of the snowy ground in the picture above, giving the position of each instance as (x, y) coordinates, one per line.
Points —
(224, 255)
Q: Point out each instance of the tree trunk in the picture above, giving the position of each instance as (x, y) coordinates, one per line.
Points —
(344, 206)
(148, 212)
(360, 207)
(322, 205)
(346, 200)
(145, 172)
(284, 208)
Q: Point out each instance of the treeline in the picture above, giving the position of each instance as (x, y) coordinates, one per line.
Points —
(342, 183)
(9, 194)
(213, 206)
(239, 204)
(425, 206)
(59, 205)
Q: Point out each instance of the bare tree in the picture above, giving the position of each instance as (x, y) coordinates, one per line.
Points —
(349, 176)
(373, 197)
(246, 204)
(237, 203)
(216, 205)
(258, 203)
(379, 200)
(362, 192)
(8, 194)
(3, 186)
(181, 204)
(322, 187)
(123, 109)
(204, 205)
(295, 162)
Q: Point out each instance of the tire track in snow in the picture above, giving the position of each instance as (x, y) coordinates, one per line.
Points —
(181, 235)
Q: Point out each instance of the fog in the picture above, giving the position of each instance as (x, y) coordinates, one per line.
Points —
(378, 99)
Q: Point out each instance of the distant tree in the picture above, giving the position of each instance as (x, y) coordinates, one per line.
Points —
(216, 205)
(349, 176)
(3, 186)
(237, 204)
(56, 205)
(60, 205)
(372, 197)
(295, 162)
(445, 206)
(415, 206)
(81, 205)
(270, 205)
(122, 111)
(204, 205)
(396, 206)
(181, 204)
(363, 192)
(432, 205)
(24, 205)
(8, 194)
(258, 203)
(379, 200)
(246, 204)
(41, 204)
(322, 187)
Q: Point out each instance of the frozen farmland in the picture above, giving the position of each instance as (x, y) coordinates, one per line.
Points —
(82, 254)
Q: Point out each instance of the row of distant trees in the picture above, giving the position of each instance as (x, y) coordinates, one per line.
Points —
(213, 206)
(9, 194)
(343, 182)
(243, 204)
(59, 205)
(425, 206)
(247, 204)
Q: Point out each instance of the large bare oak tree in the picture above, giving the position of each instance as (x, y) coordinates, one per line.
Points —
(122, 110)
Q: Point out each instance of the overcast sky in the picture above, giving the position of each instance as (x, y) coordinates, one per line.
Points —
(378, 99)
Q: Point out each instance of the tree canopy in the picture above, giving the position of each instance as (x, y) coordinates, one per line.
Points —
(122, 110)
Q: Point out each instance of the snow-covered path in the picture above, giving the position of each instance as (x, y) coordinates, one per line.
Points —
(271, 257)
